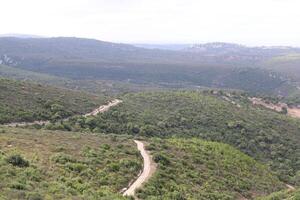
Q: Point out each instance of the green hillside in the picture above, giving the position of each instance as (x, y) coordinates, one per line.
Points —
(265, 135)
(283, 195)
(20, 74)
(108, 87)
(24, 101)
(199, 170)
(59, 165)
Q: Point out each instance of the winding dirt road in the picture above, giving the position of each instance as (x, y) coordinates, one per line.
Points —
(101, 109)
(148, 170)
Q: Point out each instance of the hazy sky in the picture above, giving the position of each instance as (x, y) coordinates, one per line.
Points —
(252, 22)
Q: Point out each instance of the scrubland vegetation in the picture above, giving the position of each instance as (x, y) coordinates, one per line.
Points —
(196, 169)
(24, 101)
(288, 195)
(59, 165)
(267, 136)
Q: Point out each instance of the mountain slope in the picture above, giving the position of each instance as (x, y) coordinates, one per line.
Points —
(288, 64)
(283, 195)
(196, 169)
(25, 75)
(59, 165)
(265, 135)
(24, 101)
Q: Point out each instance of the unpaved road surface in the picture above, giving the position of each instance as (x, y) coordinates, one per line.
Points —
(101, 109)
(290, 187)
(148, 170)
(291, 111)
(104, 108)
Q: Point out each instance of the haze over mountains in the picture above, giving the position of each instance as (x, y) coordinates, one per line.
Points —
(220, 65)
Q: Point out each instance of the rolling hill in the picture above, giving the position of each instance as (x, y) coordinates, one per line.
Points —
(24, 101)
(38, 164)
(265, 135)
(105, 87)
(59, 165)
(199, 170)
(288, 64)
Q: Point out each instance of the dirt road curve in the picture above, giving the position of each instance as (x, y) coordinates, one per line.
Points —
(101, 109)
(148, 170)
(104, 108)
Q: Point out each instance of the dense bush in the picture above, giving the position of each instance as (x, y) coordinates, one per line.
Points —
(17, 160)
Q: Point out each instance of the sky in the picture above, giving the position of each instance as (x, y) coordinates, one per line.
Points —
(249, 22)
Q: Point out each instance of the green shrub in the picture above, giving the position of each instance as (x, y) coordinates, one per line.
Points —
(35, 196)
(161, 158)
(62, 158)
(18, 186)
(17, 160)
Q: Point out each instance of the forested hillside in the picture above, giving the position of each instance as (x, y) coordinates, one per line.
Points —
(25, 101)
(288, 64)
(265, 135)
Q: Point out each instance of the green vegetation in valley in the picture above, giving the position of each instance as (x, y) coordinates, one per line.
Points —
(21, 74)
(106, 87)
(24, 101)
(58, 165)
(265, 135)
(199, 170)
(287, 64)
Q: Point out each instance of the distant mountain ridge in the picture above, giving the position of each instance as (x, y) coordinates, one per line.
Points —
(225, 48)
(174, 47)
(217, 46)
(218, 65)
